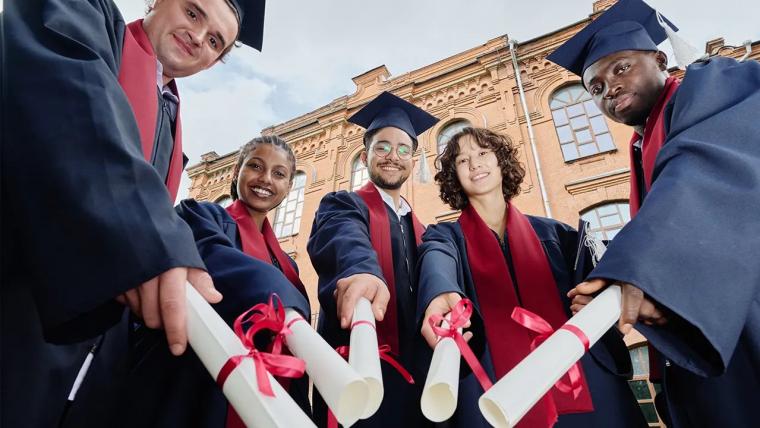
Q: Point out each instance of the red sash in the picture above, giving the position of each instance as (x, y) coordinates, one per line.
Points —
(380, 235)
(509, 342)
(654, 138)
(137, 77)
(259, 245)
(262, 244)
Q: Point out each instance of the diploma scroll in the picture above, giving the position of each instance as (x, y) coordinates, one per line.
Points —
(364, 355)
(215, 343)
(344, 391)
(513, 395)
(439, 396)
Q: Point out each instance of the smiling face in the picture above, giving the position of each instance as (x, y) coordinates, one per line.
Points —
(264, 178)
(626, 85)
(189, 36)
(477, 168)
(389, 172)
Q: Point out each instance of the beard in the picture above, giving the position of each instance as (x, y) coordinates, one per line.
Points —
(386, 184)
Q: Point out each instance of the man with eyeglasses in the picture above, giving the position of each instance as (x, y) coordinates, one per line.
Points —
(364, 244)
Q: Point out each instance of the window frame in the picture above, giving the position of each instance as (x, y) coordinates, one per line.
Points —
(575, 118)
(292, 204)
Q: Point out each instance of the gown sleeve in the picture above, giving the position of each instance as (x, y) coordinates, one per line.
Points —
(243, 280)
(92, 219)
(339, 245)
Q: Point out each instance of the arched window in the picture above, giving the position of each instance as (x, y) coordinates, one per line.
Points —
(448, 131)
(224, 201)
(359, 174)
(580, 126)
(605, 221)
(643, 389)
(287, 218)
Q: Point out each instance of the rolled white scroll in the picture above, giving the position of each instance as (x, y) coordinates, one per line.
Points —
(439, 397)
(363, 354)
(513, 395)
(344, 391)
(214, 343)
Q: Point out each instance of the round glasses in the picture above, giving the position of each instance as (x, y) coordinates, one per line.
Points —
(384, 150)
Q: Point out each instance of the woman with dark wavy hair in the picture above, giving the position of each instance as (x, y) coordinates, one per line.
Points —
(501, 259)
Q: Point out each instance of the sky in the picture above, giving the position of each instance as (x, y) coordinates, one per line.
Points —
(312, 49)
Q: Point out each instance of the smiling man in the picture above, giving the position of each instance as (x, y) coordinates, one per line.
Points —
(687, 261)
(88, 226)
(364, 244)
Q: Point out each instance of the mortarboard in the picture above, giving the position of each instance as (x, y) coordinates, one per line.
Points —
(251, 14)
(627, 25)
(389, 110)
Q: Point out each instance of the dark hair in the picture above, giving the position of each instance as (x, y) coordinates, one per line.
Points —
(506, 154)
(250, 146)
(368, 135)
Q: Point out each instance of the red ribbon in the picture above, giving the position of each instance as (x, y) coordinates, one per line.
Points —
(264, 316)
(538, 325)
(459, 316)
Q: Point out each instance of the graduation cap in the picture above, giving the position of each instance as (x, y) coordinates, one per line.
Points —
(627, 25)
(251, 14)
(389, 110)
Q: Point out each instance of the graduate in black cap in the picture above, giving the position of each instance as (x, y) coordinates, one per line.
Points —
(88, 226)
(687, 261)
(364, 244)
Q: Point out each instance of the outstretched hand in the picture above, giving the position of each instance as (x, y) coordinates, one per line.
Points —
(348, 291)
(160, 302)
(634, 306)
(440, 305)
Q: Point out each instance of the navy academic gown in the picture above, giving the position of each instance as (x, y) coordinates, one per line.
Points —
(339, 246)
(166, 391)
(84, 216)
(693, 246)
(444, 267)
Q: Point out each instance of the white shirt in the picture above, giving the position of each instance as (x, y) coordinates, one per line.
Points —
(402, 210)
(172, 101)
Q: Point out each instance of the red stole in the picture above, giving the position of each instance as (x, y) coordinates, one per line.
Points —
(137, 77)
(259, 244)
(509, 342)
(654, 138)
(262, 244)
(380, 235)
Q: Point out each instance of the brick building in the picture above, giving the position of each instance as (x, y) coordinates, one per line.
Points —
(576, 160)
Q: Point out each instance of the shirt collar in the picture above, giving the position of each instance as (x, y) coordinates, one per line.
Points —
(401, 211)
(159, 75)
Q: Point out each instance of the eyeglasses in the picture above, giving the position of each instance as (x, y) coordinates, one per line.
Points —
(383, 150)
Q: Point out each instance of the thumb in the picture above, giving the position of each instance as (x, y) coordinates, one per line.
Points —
(588, 287)
(202, 282)
(380, 302)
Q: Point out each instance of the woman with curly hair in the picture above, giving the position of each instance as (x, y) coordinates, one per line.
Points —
(501, 259)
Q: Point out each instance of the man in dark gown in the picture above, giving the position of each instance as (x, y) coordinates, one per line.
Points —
(687, 260)
(364, 243)
(91, 166)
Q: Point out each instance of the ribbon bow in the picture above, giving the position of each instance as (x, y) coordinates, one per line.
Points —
(535, 323)
(263, 316)
(458, 318)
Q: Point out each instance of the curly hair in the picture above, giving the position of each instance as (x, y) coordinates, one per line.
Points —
(512, 171)
(248, 148)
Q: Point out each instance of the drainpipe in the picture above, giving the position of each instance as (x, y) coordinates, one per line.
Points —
(531, 137)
